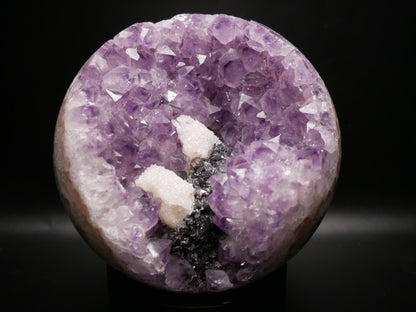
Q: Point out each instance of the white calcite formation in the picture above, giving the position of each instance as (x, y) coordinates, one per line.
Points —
(197, 140)
(145, 177)
(176, 194)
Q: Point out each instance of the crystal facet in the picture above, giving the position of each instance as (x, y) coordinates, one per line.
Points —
(261, 183)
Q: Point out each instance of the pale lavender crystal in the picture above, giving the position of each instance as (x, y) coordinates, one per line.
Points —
(217, 280)
(258, 94)
(179, 273)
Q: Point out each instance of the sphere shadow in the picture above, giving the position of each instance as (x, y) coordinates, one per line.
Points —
(266, 294)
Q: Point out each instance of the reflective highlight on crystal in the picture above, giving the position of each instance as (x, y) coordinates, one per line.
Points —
(254, 90)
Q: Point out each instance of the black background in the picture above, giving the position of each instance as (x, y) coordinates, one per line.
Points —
(363, 257)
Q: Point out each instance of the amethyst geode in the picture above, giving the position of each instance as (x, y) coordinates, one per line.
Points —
(259, 194)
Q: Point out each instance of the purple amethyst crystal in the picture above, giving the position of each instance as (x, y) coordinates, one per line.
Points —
(259, 193)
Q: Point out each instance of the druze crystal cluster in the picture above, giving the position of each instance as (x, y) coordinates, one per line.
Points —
(198, 153)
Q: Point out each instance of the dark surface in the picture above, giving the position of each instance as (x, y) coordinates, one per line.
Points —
(363, 256)
(268, 294)
(363, 50)
(359, 257)
(197, 242)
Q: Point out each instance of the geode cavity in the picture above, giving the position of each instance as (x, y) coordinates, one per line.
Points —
(259, 194)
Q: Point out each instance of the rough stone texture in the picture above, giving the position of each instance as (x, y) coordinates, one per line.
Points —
(197, 241)
(176, 195)
(196, 139)
(247, 84)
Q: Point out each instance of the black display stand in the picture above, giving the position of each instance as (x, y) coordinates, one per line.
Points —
(267, 294)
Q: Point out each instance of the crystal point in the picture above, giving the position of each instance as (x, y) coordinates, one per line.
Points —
(197, 153)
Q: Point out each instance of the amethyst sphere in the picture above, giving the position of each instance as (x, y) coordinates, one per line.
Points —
(197, 154)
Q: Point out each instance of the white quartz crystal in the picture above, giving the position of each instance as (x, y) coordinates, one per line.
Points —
(197, 140)
(176, 194)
